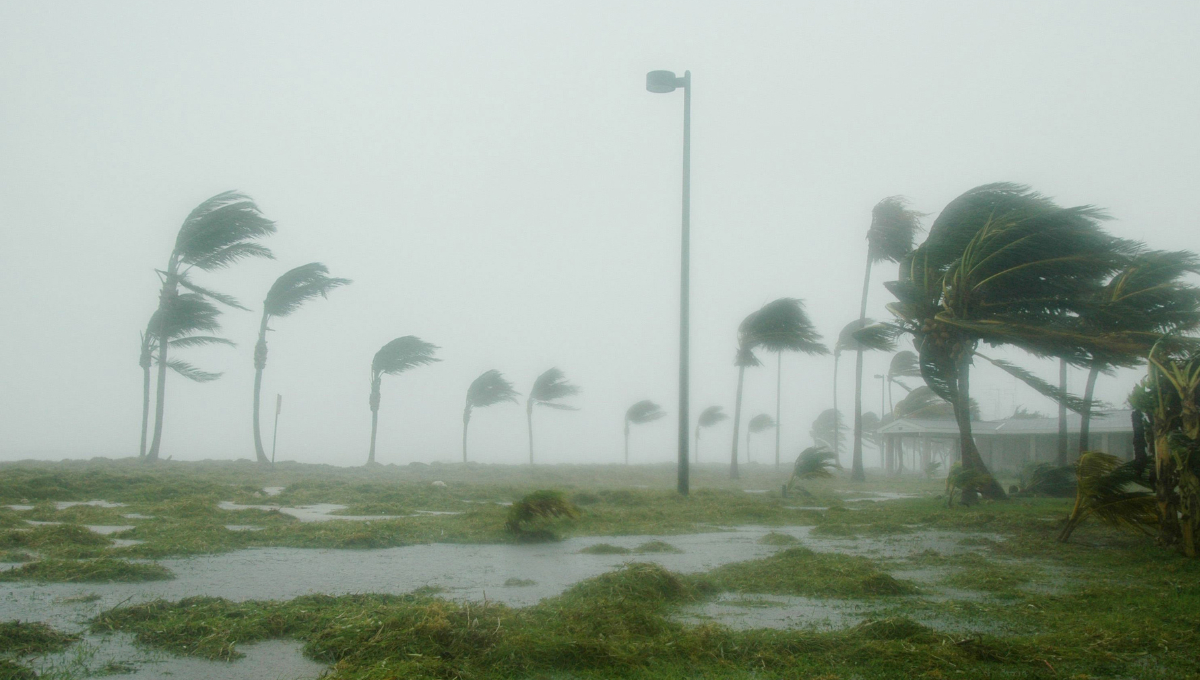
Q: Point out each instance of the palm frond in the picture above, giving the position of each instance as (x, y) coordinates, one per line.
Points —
(201, 341)
(1072, 402)
(1109, 490)
(822, 431)
(642, 412)
(893, 228)
(402, 354)
(539, 505)
(299, 285)
(227, 300)
(191, 372)
(783, 325)
(490, 388)
(229, 255)
(761, 422)
(924, 403)
(223, 221)
(815, 462)
(183, 315)
(552, 386)
(866, 335)
(711, 416)
(904, 365)
(1022, 413)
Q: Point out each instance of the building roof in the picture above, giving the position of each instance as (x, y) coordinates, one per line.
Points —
(1117, 420)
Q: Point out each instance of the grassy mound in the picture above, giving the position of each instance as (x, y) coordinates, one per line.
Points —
(800, 571)
(776, 538)
(102, 570)
(605, 549)
(21, 638)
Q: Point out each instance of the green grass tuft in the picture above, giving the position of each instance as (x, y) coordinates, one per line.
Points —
(605, 549)
(102, 570)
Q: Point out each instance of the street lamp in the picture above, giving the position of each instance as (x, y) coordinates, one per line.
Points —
(662, 82)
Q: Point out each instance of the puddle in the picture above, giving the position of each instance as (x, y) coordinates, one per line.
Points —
(877, 496)
(743, 612)
(36, 523)
(754, 490)
(319, 512)
(273, 490)
(19, 508)
(104, 530)
(819, 508)
(63, 505)
(243, 527)
(134, 515)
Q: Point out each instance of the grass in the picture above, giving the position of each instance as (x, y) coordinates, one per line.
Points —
(800, 571)
(101, 570)
(605, 549)
(23, 638)
(778, 539)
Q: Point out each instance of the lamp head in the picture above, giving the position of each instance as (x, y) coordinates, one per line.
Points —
(661, 82)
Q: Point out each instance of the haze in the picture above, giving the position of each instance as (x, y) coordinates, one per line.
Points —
(497, 181)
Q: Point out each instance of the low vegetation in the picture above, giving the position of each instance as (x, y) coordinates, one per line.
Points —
(101, 570)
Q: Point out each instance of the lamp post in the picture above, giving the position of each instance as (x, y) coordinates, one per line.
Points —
(662, 82)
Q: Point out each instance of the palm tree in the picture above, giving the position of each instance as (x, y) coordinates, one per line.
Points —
(782, 325)
(488, 389)
(889, 239)
(1005, 266)
(757, 424)
(218, 233)
(903, 365)
(828, 430)
(1149, 295)
(548, 389)
(858, 336)
(643, 412)
(287, 294)
(815, 462)
(188, 315)
(708, 417)
(1109, 490)
(744, 357)
(394, 358)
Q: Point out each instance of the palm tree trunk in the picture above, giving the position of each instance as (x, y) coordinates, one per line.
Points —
(737, 421)
(747, 446)
(836, 422)
(778, 397)
(374, 417)
(169, 290)
(466, 422)
(1062, 415)
(145, 407)
(627, 442)
(856, 464)
(260, 362)
(971, 460)
(1085, 420)
(696, 446)
(529, 421)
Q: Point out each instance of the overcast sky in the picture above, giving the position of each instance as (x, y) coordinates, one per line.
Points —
(496, 180)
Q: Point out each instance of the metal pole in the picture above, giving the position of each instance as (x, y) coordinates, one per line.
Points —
(275, 432)
(684, 281)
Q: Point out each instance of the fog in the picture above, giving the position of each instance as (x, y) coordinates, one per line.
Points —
(496, 180)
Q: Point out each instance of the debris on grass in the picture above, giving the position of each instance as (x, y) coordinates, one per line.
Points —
(651, 547)
(605, 549)
(27, 638)
(776, 538)
(515, 582)
(101, 570)
(800, 571)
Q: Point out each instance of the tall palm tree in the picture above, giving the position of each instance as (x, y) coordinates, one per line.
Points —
(289, 292)
(743, 359)
(708, 417)
(783, 325)
(1150, 295)
(216, 234)
(1005, 266)
(858, 336)
(757, 424)
(394, 358)
(903, 365)
(489, 389)
(643, 412)
(187, 316)
(828, 430)
(889, 239)
(549, 388)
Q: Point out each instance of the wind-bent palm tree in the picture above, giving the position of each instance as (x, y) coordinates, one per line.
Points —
(815, 462)
(889, 239)
(744, 358)
(708, 417)
(394, 358)
(782, 325)
(488, 389)
(218, 233)
(858, 336)
(548, 389)
(757, 424)
(828, 430)
(903, 365)
(1150, 295)
(1005, 265)
(289, 292)
(643, 412)
(188, 315)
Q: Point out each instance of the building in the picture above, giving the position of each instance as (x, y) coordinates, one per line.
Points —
(1006, 445)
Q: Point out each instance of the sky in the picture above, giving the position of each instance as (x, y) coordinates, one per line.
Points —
(496, 180)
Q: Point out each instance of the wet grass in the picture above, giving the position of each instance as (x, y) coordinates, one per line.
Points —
(24, 638)
(100, 570)
(800, 571)
(605, 549)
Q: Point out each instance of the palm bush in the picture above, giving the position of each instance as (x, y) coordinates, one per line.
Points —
(1044, 479)
(815, 462)
(288, 294)
(1107, 489)
(394, 358)
(489, 389)
(548, 390)
(642, 412)
(828, 431)
(708, 417)
(527, 518)
(758, 423)
(220, 232)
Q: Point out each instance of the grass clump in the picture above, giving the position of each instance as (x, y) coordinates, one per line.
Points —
(800, 571)
(652, 547)
(1003, 578)
(529, 518)
(605, 549)
(27, 638)
(776, 538)
(101, 570)
(16, 556)
(58, 540)
(893, 628)
(515, 582)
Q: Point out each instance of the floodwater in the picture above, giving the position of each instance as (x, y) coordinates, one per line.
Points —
(463, 572)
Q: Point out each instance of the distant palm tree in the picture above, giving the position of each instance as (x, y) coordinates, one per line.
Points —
(757, 424)
(889, 239)
(547, 390)
(289, 292)
(744, 357)
(394, 358)
(188, 315)
(858, 336)
(815, 462)
(488, 389)
(643, 412)
(218, 233)
(782, 325)
(903, 365)
(827, 430)
(708, 417)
